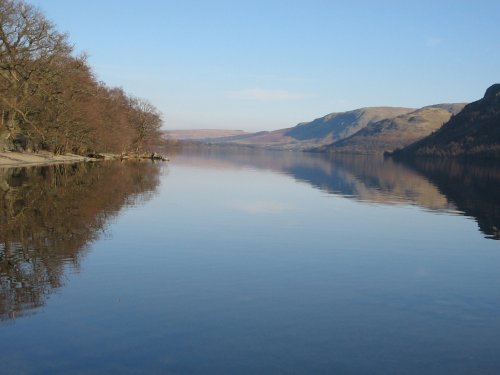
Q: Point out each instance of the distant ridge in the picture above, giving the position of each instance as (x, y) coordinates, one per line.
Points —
(201, 134)
(448, 129)
(338, 126)
(398, 132)
(319, 132)
(474, 132)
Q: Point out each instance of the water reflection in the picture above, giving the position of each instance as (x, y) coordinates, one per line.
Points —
(50, 214)
(472, 187)
(447, 186)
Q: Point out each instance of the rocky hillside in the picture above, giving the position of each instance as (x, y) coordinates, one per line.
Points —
(319, 132)
(475, 132)
(398, 132)
(337, 126)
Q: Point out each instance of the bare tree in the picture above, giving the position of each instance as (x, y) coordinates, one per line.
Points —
(29, 44)
(50, 99)
(146, 120)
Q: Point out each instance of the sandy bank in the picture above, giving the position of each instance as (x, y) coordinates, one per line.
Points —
(23, 159)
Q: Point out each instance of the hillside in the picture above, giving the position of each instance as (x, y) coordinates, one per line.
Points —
(337, 126)
(319, 132)
(398, 132)
(475, 131)
(201, 134)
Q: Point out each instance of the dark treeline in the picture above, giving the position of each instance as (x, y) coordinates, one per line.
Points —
(51, 100)
(49, 215)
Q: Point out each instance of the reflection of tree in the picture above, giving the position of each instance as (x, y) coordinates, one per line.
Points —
(472, 186)
(49, 214)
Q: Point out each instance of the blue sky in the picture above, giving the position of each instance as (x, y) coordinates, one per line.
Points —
(262, 65)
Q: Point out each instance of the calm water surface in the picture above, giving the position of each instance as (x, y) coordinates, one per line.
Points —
(251, 263)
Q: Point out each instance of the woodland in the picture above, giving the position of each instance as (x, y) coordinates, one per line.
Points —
(50, 99)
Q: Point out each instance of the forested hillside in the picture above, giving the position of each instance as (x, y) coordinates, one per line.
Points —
(50, 98)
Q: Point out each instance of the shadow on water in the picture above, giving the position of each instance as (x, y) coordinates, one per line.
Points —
(48, 217)
(437, 185)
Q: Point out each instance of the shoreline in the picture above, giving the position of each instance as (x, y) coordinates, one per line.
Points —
(13, 159)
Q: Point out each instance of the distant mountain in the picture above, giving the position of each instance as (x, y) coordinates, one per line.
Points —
(393, 133)
(475, 131)
(319, 132)
(202, 134)
(337, 126)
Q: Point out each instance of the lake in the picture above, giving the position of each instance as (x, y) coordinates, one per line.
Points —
(251, 262)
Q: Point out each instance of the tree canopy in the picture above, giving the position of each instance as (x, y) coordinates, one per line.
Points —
(50, 98)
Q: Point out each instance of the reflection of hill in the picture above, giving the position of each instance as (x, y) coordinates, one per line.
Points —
(365, 178)
(432, 184)
(382, 181)
(474, 189)
(49, 214)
